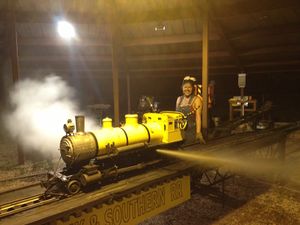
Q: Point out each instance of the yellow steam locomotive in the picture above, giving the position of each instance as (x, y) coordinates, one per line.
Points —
(90, 157)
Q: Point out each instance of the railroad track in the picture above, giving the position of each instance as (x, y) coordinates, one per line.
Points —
(63, 211)
(36, 184)
(22, 198)
(23, 204)
(24, 177)
(130, 185)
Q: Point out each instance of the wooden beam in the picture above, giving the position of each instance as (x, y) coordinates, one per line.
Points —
(107, 58)
(236, 9)
(115, 52)
(161, 57)
(170, 39)
(35, 16)
(271, 31)
(100, 16)
(14, 51)
(276, 71)
(65, 58)
(220, 27)
(180, 73)
(14, 57)
(271, 50)
(166, 14)
(128, 90)
(70, 76)
(179, 68)
(73, 65)
(171, 74)
(215, 72)
(205, 46)
(194, 55)
(86, 71)
(60, 42)
(116, 91)
(233, 10)
(275, 63)
(47, 70)
(267, 42)
(87, 42)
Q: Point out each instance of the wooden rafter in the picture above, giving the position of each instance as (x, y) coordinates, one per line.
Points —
(220, 27)
(242, 8)
(271, 50)
(271, 31)
(100, 16)
(59, 42)
(52, 16)
(170, 39)
(65, 58)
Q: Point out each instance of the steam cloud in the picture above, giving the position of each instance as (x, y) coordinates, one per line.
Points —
(39, 110)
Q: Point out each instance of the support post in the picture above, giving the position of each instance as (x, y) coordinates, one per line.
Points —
(242, 102)
(115, 78)
(115, 63)
(128, 94)
(205, 69)
(14, 57)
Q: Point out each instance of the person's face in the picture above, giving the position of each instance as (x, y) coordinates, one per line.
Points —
(187, 89)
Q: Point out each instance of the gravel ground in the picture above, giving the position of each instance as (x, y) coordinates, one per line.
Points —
(247, 200)
(15, 176)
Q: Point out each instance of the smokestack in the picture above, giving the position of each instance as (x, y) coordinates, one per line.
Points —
(79, 123)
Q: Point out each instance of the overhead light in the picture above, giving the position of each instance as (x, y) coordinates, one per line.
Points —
(66, 30)
(160, 28)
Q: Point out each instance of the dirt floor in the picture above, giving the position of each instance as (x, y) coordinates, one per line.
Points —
(247, 200)
(21, 176)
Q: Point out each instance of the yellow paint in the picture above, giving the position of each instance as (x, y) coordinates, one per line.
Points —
(169, 123)
(131, 119)
(107, 122)
(157, 129)
(137, 207)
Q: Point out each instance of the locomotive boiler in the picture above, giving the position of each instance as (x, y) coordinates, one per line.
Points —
(92, 156)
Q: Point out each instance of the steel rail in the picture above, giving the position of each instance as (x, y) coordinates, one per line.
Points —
(20, 188)
(23, 177)
(23, 204)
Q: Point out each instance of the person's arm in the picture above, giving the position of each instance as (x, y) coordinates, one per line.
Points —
(197, 107)
(177, 102)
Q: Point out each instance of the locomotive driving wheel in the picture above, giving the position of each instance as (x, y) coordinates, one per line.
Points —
(73, 187)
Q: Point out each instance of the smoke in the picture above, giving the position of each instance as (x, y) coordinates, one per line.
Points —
(39, 108)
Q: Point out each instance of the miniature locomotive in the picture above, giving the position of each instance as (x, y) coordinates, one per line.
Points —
(90, 157)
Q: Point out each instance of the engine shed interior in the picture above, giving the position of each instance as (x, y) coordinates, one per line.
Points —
(121, 64)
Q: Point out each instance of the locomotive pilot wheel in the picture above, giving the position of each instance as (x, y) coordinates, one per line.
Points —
(73, 187)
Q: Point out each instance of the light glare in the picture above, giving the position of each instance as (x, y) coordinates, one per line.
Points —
(66, 30)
